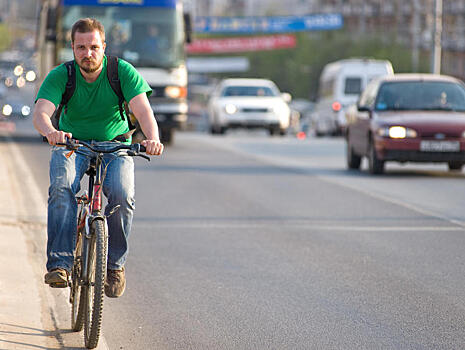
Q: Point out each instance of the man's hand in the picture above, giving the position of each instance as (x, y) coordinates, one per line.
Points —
(142, 110)
(57, 136)
(153, 147)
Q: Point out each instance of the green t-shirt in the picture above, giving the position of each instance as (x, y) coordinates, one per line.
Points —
(92, 112)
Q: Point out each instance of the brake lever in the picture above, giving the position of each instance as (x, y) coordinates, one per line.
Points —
(70, 145)
(136, 154)
(144, 156)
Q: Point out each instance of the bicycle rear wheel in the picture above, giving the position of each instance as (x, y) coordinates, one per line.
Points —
(97, 266)
(77, 297)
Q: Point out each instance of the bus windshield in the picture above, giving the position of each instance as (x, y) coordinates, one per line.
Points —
(145, 37)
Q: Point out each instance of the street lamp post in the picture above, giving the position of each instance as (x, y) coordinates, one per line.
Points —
(436, 52)
(416, 31)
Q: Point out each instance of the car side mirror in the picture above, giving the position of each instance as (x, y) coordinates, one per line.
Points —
(286, 97)
(188, 28)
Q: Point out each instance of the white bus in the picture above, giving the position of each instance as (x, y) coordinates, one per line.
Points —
(129, 27)
(341, 83)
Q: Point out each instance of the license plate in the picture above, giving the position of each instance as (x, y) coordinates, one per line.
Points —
(440, 146)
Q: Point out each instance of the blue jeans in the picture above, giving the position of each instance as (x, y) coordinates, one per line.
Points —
(65, 178)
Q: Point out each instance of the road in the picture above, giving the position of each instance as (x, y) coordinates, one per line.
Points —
(245, 241)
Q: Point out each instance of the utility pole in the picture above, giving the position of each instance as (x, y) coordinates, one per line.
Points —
(436, 52)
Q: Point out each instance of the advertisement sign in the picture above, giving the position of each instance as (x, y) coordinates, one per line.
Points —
(138, 3)
(217, 64)
(256, 43)
(278, 24)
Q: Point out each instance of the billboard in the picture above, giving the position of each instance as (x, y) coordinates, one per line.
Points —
(277, 24)
(138, 3)
(217, 64)
(243, 44)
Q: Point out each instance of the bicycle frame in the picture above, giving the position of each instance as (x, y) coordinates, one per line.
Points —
(94, 172)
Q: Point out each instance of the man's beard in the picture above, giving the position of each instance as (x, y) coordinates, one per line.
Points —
(94, 66)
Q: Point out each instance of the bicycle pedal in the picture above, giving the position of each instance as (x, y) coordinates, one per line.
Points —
(59, 285)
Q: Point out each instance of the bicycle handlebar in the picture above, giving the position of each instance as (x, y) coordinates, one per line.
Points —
(133, 150)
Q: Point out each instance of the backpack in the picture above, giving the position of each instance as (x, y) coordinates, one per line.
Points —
(113, 79)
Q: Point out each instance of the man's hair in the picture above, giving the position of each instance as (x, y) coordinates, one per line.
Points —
(87, 25)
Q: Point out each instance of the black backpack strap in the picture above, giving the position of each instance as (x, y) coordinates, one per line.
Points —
(67, 94)
(71, 84)
(113, 78)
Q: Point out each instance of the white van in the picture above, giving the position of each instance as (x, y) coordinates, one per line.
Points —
(341, 82)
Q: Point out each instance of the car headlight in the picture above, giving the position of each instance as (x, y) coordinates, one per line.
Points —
(7, 110)
(397, 132)
(230, 109)
(25, 111)
(18, 70)
(281, 110)
(31, 75)
(20, 82)
(175, 91)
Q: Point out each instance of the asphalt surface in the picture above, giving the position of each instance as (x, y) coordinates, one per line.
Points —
(251, 242)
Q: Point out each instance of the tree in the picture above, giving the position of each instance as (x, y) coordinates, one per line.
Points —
(297, 70)
(5, 39)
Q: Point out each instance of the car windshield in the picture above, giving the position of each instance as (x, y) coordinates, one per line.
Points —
(421, 95)
(261, 91)
(146, 37)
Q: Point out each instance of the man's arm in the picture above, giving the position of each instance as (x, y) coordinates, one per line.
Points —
(43, 112)
(142, 110)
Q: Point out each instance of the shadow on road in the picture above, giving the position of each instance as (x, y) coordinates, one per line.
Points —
(11, 335)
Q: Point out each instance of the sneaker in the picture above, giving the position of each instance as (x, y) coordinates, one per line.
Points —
(115, 283)
(57, 278)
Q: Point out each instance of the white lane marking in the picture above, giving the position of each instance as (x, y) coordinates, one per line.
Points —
(35, 196)
(288, 163)
(383, 197)
(197, 225)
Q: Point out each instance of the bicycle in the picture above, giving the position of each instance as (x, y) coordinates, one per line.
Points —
(88, 273)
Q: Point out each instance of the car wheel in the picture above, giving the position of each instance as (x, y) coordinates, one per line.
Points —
(376, 166)
(353, 160)
(455, 166)
(273, 130)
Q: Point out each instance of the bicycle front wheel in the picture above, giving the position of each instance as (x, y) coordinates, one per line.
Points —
(97, 266)
(77, 295)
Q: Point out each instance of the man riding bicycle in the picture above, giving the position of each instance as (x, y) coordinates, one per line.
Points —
(92, 114)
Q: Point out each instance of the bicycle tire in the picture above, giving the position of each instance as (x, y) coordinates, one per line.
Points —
(77, 297)
(97, 266)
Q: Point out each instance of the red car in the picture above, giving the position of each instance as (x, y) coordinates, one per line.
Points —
(408, 118)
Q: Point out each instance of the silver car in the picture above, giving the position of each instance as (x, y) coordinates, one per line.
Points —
(248, 103)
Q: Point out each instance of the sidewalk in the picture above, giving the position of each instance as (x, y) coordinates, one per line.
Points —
(32, 315)
(26, 320)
